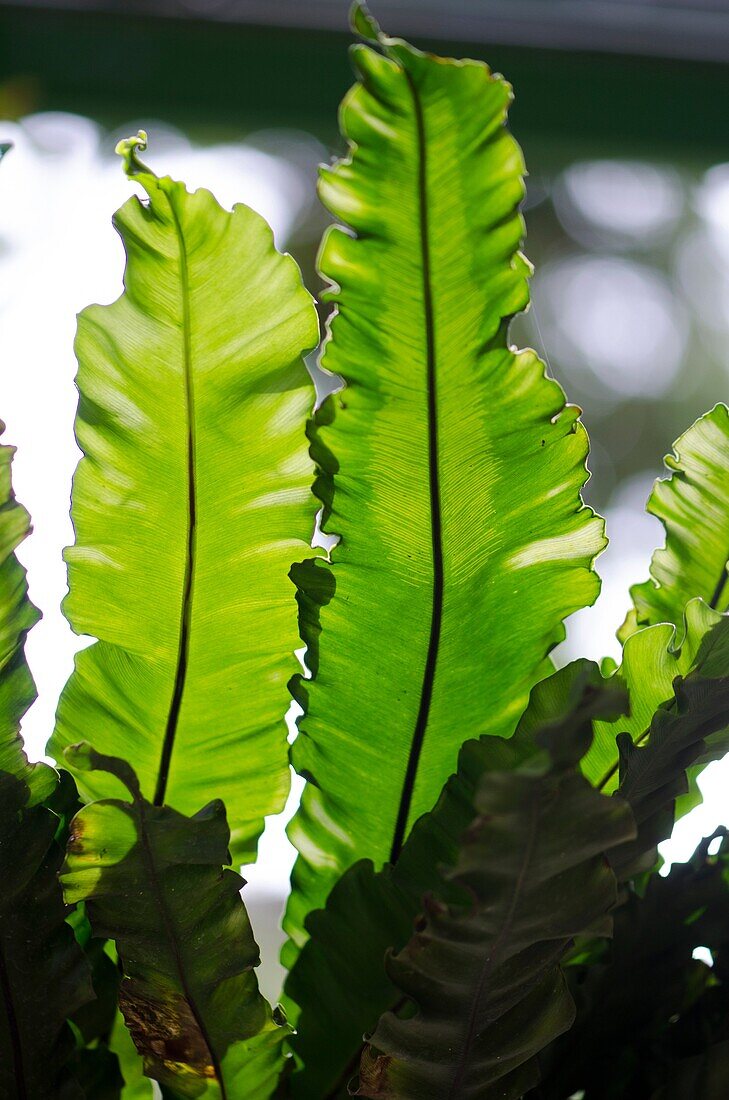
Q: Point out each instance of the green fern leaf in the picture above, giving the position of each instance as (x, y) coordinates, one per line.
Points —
(449, 465)
(642, 994)
(484, 972)
(339, 979)
(693, 507)
(190, 504)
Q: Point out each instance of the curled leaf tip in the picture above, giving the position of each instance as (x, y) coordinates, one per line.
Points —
(363, 22)
(128, 148)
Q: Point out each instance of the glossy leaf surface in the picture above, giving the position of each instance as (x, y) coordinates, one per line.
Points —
(190, 504)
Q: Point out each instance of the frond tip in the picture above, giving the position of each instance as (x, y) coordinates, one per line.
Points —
(128, 148)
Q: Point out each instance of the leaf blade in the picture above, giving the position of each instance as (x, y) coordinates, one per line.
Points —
(339, 979)
(484, 974)
(691, 504)
(637, 994)
(194, 487)
(158, 883)
(40, 962)
(424, 281)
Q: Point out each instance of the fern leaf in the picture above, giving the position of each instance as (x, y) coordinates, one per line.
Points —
(189, 506)
(450, 465)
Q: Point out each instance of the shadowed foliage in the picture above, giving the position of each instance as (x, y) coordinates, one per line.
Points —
(368, 912)
(484, 974)
(159, 885)
(475, 910)
(645, 1005)
(44, 977)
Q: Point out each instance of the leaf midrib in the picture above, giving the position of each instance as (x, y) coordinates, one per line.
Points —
(170, 928)
(493, 959)
(183, 653)
(720, 589)
(426, 692)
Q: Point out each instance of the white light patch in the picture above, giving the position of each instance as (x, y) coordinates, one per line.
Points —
(703, 954)
(569, 546)
(711, 200)
(618, 203)
(613, 319)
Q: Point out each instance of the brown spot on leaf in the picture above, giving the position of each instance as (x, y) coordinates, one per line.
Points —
(373, 1075)
(165, 1033)
(75, 836)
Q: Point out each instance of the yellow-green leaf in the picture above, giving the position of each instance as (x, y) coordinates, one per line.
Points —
(693, 505)
(190, 504)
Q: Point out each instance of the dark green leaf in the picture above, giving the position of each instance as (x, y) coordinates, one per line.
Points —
(158, 884)
(94, 1065)
(484, 975)
(94, 1021)
(97, 1072)
(635, 999)
(339, 978)
(703, 1077)
(43, 974)
(44, 977)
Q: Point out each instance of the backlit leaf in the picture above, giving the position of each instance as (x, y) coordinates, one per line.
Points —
(190, 504)
(450, 466)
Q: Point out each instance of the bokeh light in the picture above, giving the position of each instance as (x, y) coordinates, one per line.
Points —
(618, 204)
(615, 318)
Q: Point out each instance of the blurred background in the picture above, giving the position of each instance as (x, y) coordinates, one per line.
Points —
(622, 108)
